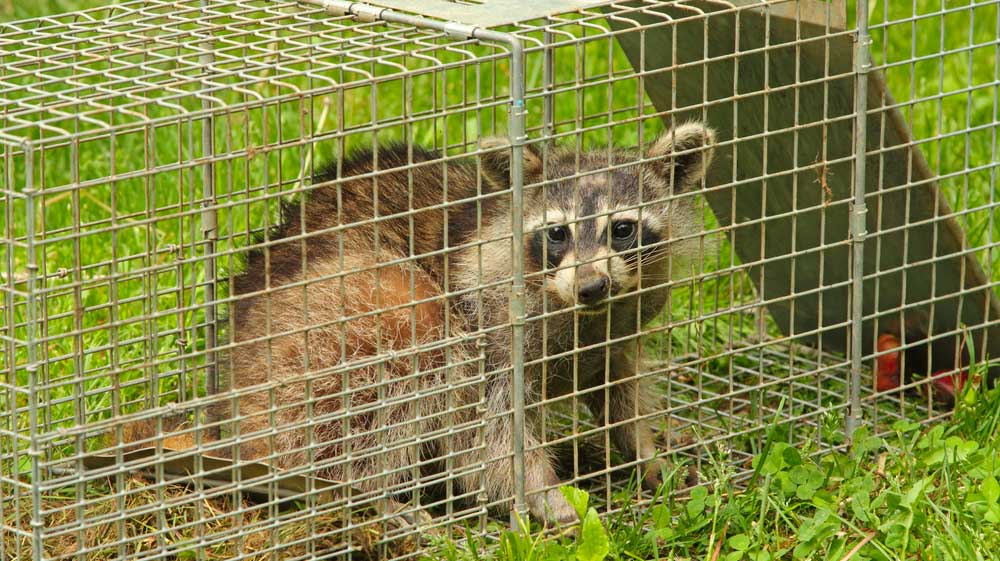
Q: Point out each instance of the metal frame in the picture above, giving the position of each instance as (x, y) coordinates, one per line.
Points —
(860, 211)
(202, 70)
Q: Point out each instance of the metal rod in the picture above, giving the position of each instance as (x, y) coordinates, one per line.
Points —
(517, 297)
(548, 83)
(210, 232)
(859, 213)
(31, 344)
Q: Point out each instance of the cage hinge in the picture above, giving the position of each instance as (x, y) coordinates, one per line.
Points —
(459, 31)
(517, 110)
(366, 13)
(209, 222)
(362, 12)
(859, 223)
(517, 294)
(336, 7)
(862, 54)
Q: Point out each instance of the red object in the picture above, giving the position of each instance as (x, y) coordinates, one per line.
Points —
(946, 382)
(887, 373)
(952, 384)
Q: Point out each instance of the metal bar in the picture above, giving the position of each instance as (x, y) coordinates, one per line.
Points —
(548, 83)
(859, 212)
(209, 230)
(35, 453)
(517, 300)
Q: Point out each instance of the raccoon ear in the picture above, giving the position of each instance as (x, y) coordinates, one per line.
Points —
(496, 159)
(682, 154)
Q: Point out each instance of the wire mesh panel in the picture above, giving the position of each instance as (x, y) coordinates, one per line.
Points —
(714, 371)
(200, 295)
(289, 280)
(939, 63)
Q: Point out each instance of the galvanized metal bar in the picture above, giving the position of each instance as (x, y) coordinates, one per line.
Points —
(991, 243)
(548, 83)
(516, 131)
(859, 213)
(35, 448)
(209, 228)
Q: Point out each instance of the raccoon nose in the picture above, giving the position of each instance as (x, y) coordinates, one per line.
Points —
(593, 290)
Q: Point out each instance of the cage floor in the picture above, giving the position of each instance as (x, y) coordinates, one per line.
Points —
(717, 415)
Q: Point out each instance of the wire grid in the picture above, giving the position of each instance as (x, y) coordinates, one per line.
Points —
(151, 143)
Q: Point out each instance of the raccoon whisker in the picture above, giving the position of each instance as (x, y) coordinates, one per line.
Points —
(656, 260)
(653, 282)
(666, 274)
(657, 252)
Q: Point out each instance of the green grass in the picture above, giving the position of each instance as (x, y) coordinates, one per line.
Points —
(916, 494)
(949, 93)
(928, 493)
(16, 9)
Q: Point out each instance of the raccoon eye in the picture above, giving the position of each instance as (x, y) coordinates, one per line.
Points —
(558, 234)
(623, 230)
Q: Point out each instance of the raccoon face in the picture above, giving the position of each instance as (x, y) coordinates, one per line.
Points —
(600, 225)
(585, 257)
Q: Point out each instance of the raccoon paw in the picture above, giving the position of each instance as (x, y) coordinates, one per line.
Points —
(552, 507)
(406, 520)
(652, 473)
(653, 470)
(692, 478)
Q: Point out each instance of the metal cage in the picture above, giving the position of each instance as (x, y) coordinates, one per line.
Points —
(172, 381)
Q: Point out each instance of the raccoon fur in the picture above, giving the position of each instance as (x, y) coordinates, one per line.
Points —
(306, 350)
(389, 263)
(604, 237)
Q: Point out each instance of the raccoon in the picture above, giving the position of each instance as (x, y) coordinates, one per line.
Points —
(604, 235)
(391, 262)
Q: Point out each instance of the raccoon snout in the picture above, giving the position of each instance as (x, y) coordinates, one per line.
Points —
(593, 289)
